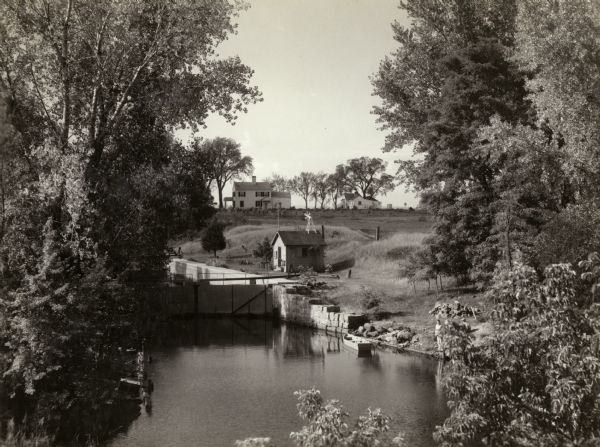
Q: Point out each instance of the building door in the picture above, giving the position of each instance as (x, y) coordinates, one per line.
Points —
(278, 256)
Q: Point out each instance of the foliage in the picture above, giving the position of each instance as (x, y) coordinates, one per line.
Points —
(213, 238)
(568, 236)
(327, 425)
(559, 41)
(225, 162)
(535, 380)
(303, 185)
(502, 117)
(93, 183)
(336, 184)
(264, 250)
(319, 188)
(367, 176)
(278, 182)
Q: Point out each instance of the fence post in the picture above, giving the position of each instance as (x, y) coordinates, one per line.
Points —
(377, 234)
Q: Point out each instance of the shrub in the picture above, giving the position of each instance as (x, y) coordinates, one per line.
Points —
(327, 426)
(535, 379)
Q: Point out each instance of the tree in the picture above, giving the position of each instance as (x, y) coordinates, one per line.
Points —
(535, 379)
(303, 186)
(558, 41)
(367, 176)
(319, 188)
(94, 90)
(336, 184)
(442, 86)
(213, 238)
(278, 182)
(65, 63)
(227, 162)
(264, 250)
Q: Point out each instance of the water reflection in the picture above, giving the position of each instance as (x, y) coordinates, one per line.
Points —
(218, 380)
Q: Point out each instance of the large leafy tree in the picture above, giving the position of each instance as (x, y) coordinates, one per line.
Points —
(559, 41)
(440, 89)
(367, 176)
(94, 90)
(225, 162)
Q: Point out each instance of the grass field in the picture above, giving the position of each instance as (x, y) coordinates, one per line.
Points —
(376, 275)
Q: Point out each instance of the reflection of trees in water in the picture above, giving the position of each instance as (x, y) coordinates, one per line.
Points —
(298, 341)
(81, 405)
(212, 331)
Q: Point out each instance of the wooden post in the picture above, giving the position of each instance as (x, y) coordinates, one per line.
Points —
(232, 300)
(195, 299)
(323, 231)
(265, 300)
(377, 234)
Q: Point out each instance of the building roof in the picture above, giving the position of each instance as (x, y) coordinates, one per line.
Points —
(281, 195)
(299, 238)
(252, 186)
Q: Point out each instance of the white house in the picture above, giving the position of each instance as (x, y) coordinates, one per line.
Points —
(255, 194)
(292, 249)
(354, 201)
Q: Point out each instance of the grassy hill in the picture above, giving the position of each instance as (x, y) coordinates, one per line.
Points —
(376, 267)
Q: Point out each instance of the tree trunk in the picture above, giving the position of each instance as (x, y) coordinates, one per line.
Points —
(306, 203)
(220, 188)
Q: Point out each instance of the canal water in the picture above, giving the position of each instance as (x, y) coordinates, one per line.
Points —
(219, 380)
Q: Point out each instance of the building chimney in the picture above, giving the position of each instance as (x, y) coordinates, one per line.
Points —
(253, 179)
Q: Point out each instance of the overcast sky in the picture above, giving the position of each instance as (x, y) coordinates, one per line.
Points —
(312, 61)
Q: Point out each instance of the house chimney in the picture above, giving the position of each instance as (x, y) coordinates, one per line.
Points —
(253, 179)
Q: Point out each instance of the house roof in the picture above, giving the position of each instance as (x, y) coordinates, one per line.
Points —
(299, 238)
(281, 194)
(252, 186)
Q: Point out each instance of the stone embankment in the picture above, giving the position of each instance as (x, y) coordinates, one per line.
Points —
(296, 304)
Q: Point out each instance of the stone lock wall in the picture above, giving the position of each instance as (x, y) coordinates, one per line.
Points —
(296, 304)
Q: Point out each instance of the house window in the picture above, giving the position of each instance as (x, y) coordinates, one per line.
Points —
(241, 204)
(304, 252)
(233, 194)
(359, 202)
(242, 194)
(258, 204)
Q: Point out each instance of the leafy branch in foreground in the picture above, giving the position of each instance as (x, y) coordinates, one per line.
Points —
(536, 379)
(327, 426)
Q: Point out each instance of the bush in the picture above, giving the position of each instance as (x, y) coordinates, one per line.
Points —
(327, 426)
(213, 238)
(535, 379)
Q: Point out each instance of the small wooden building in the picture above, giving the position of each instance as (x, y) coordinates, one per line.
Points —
(292, 249)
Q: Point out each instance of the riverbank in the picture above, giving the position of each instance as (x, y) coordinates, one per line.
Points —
(370, 276)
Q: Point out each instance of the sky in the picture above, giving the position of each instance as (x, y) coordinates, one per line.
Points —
(312, 60)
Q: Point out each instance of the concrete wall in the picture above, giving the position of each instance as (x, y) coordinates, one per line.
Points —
(214, 300)
(294, 305)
